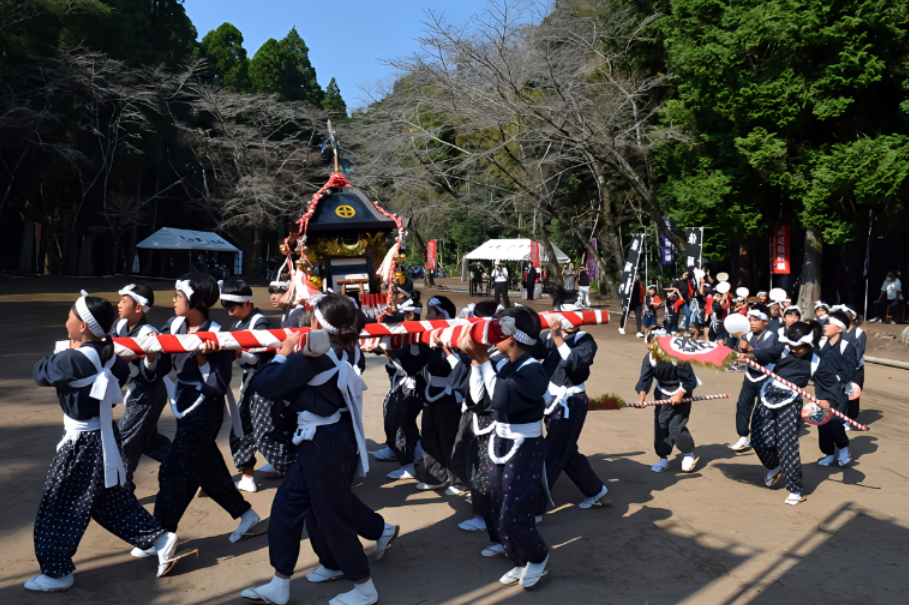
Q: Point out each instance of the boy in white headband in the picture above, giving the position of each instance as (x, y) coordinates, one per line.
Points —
(763, 346)
(87, 477)
(777, 421)
(670, 427)
(146, 395)
(836, 370)
(257, 413)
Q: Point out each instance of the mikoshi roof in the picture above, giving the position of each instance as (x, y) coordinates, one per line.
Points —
(167, 238)
(342, 207)
(512, 250)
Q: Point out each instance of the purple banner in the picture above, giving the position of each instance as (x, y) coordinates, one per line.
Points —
(591, 261)
(667, 251)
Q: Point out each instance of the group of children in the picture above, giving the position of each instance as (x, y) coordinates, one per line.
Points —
(828, 351)
(499, 424)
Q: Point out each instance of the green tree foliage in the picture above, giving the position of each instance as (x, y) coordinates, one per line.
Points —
(228, 65)
(283, 69)
(794, 109)
(333, 102)
(37, 25)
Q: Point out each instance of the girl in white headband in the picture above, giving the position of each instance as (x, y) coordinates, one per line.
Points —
(777, 420)
(517, 389)
(86, 478)
(858, 339)
(325, 389)
(839, 359)
(146, 395)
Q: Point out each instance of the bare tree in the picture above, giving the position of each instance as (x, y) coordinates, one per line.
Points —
(525, 99)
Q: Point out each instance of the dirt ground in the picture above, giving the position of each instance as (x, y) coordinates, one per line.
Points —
(716, 536)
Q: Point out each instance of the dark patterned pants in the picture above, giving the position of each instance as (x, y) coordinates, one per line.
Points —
(74, 494)
(514, 489)
(439, 428)
(775, 439)
(670, 426)
(562, 453)
(268, 427)
(744, 408)
(317, 492)
(461, 450)
(855, 405)
(139, 427)
(400, 411)
(194, 461)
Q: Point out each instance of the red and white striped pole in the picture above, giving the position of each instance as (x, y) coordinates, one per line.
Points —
(668, 401)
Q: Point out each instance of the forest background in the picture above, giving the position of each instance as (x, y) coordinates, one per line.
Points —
(570, 122)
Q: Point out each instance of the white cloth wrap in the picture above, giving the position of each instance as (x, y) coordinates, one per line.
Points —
(517, 433)
(438, 382)
(558, 396)
(352, 386)
(476, 426)
(106, 389)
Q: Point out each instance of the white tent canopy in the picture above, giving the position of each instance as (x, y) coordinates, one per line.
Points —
(167, 238)
(184, 239)
(511, 250)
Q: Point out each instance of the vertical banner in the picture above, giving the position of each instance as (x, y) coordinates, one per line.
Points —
(694, 237)
(431, 254)
(630, 271)
(780, 251)
(535, 254)
(667, 250)
(592, 261)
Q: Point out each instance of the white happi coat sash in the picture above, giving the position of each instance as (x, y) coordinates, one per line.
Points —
(179, 361)
(251, 372)
(517, 433)
(106, 389)
(559, 395)
(351, 386)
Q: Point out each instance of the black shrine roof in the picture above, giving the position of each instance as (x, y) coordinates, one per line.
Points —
(347, 208)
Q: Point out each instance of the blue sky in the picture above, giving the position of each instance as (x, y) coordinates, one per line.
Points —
(347, 39)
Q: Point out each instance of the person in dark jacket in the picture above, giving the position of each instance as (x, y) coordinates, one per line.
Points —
(87, 476)
(325, 389)
(145, 395)
(670, 422)
(517, 449)
(765, 348)
(839, 360)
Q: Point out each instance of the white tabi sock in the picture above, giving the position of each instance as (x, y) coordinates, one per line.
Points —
(247, 520)
(362, 594)
(277, 592)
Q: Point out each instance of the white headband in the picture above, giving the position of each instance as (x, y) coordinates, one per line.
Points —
(761, 292)
(436, 304)
(833, 320)
(279, 284)
(819, 304)
(402, 290)
(807, 339)
(328, 327)
(182, 285)
(408, 305)
(524, 338)
(467, 311)
(85, 315)
(128, 291)
(844, 309)
(792, 308)
(759, 314)
(236, 298)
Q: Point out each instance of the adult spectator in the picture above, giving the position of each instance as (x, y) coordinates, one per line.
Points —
(569, 278)
(891, 294)
(584, 287)
(530, 281)
(500, 284)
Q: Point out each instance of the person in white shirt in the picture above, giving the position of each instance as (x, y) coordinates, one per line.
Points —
(891, 294)
(500, 284)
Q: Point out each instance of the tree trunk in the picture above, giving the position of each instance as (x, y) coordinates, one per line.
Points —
(428, 280)
(811, 273)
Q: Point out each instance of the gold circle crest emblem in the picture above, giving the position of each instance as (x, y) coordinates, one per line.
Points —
(345, 211)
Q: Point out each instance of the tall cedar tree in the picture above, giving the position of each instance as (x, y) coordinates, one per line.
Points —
(228, 65)
(333, 102)
(283, 69)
